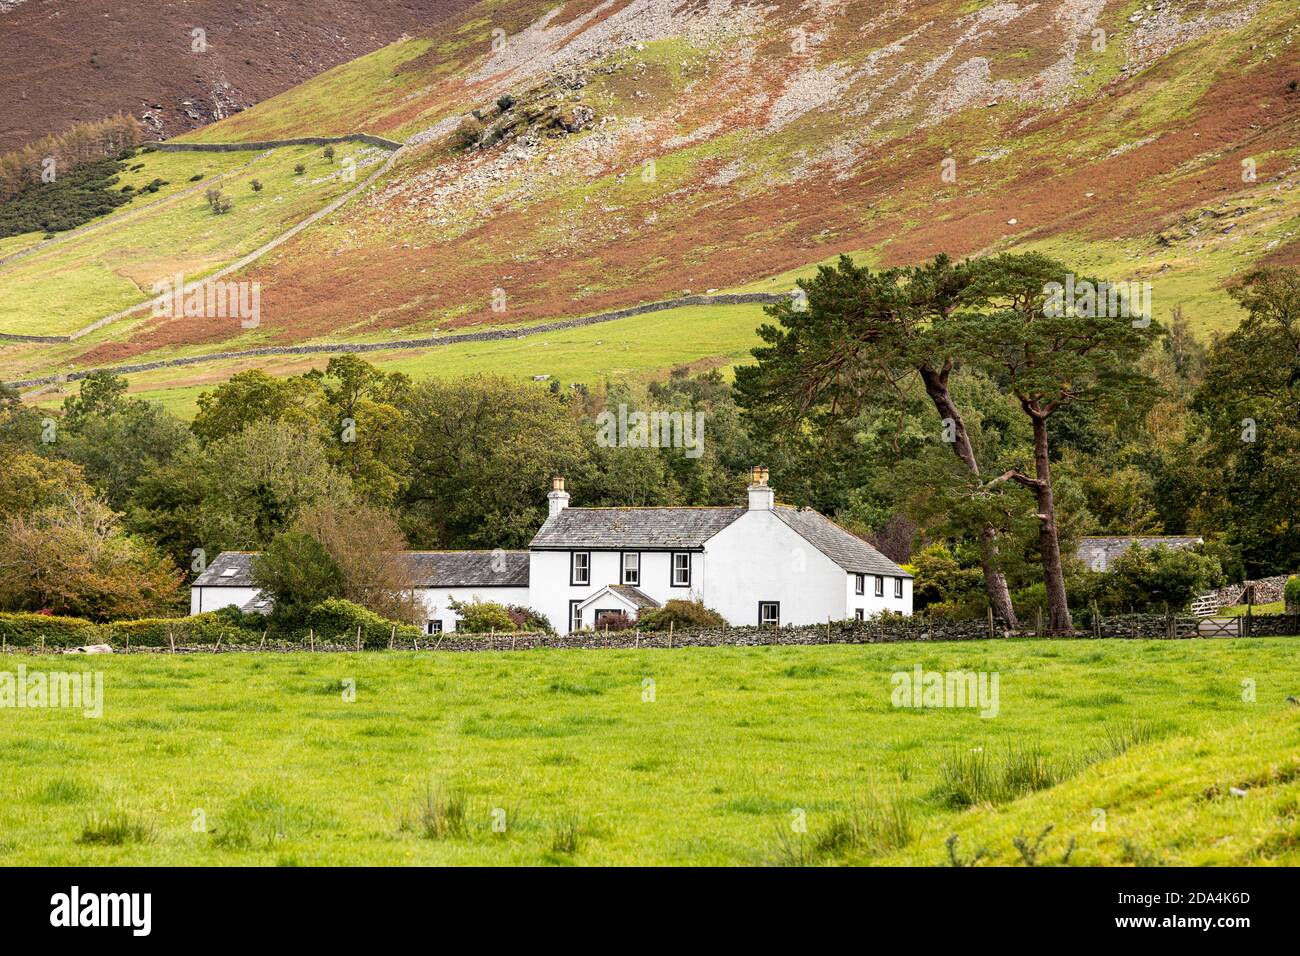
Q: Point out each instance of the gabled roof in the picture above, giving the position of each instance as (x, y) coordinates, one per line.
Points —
(633, 529)
(1098, 551)
(632, 596)
(637, 529)
(847, 550)
(229, 569)
(428, 569)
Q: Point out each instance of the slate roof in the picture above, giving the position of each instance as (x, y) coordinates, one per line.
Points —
(449, 569)
(847, 550)
(633, 529)
(638, 597)
(1098, 551)
(230, 569)
(429, 569)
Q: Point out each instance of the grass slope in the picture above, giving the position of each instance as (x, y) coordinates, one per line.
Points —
(246, 759)
(112, 266)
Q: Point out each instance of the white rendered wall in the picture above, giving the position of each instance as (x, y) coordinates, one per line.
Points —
(213, 596)
(437, 601)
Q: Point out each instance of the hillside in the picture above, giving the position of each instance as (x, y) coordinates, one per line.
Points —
(64, 62)
(581, 157)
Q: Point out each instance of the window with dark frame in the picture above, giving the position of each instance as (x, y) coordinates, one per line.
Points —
(681, 569)
(580, 568)
(575, 616)
(859, 614)
(632, 567)
(898, 587)
(880, 585)
(859, 584)
(433, 627)
(769, 613)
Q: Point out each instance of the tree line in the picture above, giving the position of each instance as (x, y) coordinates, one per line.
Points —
(944, 411)
(59, 153)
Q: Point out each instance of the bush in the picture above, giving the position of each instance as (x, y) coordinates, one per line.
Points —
(527, 619)
(329, 153)
(218, 202)
(1291, 594)
(207, 628)
(256, 185)
(480, 617)
(468, 134)
(337, 619)
(299, 169)
(680, 614)
(618, 621)
(1151, 579)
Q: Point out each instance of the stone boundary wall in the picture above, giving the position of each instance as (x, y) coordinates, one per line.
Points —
(1129, 627)
(487, 335)
(1267, 591)
(166, 146)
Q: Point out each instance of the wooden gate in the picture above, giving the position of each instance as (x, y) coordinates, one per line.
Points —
(1219, 627)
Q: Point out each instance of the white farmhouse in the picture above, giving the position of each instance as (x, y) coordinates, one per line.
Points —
(762, 563)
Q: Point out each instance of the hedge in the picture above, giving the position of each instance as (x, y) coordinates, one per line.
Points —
(33, 630)
(26, 630)
(338, 620)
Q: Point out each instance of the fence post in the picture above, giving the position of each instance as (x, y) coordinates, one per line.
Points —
(670, 633)
(391, 637)
(264, 630)
(358, 638)
(311, 639)
(991, 633)
(1247, 620)
(1038, 621)
(171, 639)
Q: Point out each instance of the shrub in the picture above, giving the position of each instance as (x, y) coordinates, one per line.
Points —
(299, 169)
(617, 621)
(680, 614)
(218, 202)
(256, 185)
(467, 134)
(328, 152)
(528, 619)
(1149, 579)
(505, 102)
(207, 628)
(480, 617)
(338, 619)
(1291, 594)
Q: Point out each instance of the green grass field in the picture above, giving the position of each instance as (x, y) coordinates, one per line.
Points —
(635, 347)
(263, 759)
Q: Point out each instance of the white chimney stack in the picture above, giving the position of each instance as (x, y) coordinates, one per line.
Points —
(761, 497)
(558, 499)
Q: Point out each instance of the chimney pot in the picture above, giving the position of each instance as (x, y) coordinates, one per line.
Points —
(558, 499)
(761, 497)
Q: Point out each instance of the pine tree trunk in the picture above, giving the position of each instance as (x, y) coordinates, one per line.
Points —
(1049, 544)
(995, 582)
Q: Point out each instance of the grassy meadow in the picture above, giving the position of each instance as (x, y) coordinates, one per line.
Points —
(113, 266)
(690, 756)
(641, 346)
